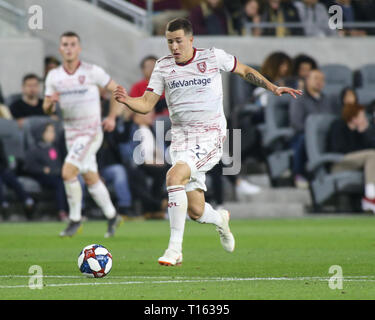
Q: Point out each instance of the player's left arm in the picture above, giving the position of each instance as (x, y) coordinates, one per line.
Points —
(109, 123)
(251, 75)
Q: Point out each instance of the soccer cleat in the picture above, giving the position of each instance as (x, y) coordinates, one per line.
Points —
(226, 237)
(72, 228)
(171, 257)
(113, 224)
(368, 204)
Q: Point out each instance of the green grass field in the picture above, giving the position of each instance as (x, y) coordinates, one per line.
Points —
(274, 259)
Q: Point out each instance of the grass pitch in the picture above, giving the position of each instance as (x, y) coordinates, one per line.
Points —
(274, 259)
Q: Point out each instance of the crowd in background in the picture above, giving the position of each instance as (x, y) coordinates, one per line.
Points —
(240, 17)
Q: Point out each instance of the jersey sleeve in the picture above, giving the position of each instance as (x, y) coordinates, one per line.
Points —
(226, 62)
(156, 83)
(100, 77)
(49, 87)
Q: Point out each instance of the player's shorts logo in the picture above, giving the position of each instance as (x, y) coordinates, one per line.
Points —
(202, 66)
(81, 79)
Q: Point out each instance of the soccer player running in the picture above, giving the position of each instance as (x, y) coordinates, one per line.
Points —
(193, 88)
(75, 86)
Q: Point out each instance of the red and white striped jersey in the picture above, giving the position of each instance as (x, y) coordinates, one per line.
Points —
(79, 97)
(194, 95)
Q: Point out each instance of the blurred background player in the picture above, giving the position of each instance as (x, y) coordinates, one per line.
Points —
(75, 86)
(193, 88)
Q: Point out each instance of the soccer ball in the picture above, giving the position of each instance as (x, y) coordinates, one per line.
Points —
(95, 261)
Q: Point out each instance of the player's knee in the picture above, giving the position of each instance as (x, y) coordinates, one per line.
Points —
(178, 175)
(68, 173)
(91, 178)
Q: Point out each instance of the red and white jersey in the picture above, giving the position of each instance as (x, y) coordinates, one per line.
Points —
(194, 95)
(79, 97)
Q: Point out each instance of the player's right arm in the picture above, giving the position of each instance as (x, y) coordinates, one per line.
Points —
(141, 105)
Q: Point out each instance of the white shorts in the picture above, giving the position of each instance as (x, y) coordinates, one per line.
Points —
(82, 151)
(200, 159)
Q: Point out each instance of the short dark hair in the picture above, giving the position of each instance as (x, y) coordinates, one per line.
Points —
(303, 58)
(29, 76)
(51, 59)
(343, 93)
(180, 24)
(70, 34)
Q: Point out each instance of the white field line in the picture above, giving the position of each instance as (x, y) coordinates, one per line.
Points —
(185, 280)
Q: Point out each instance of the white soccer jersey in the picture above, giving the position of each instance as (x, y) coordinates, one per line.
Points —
(79, 98)
(194, 95)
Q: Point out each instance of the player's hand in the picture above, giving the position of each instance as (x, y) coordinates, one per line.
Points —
(55, 97)
(109, 124)
(293, 92)
(51, 106)
(120, 94)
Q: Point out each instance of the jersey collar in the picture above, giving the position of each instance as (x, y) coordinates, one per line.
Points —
(189, 61)
(71, 73)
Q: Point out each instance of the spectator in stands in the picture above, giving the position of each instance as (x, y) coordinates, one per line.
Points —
(242, 187)
(314, 17)
(235, 10)
(351, 13)
(211, 18)
(147, 66)
(313, 101)
(114, 173)
(302, 65)
(153, 207)
(251, 14)
(164, 11)
(367, 13)
(351, 136)
(149, 156)
(9, 178)
(44, 164)
(280, 12)
(30, 104)
(50, 62)
(277, 68)
(348, 96)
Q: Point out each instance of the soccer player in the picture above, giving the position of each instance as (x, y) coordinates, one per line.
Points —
(74, 85)
(193, 88)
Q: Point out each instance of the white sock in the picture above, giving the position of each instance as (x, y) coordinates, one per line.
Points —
(370, 190)
(100, 194)
(210, 216)
(74, 196)
(177, 209)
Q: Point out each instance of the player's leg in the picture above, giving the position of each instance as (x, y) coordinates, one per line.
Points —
(177, 178)
(73, 192)
(202, 212)
(99, 192)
